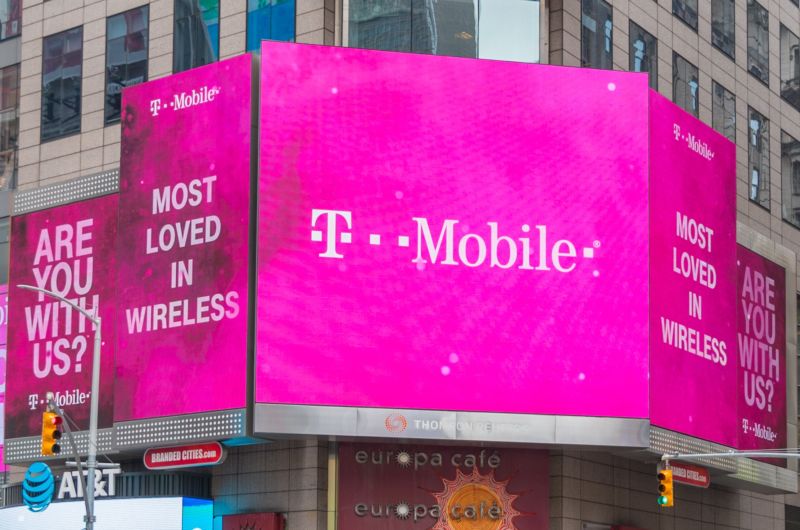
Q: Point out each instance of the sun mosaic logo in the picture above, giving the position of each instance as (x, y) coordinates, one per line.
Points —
(473, 500)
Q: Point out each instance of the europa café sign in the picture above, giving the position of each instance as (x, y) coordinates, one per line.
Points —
(389, 486)
(483, 250)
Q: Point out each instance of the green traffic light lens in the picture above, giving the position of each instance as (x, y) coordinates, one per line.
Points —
(662, 500)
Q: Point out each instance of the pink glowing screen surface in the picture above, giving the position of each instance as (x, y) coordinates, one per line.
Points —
(184, 218)
(427, 242)
(761, 352)
(70, 250)
(693, 365)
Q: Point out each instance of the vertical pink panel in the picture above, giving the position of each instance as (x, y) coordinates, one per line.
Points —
(693, 276)
(761, 352)
(70, 250)
(184, 224)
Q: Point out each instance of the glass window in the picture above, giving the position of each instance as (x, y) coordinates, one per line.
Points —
(269, 19)
(126, 56)
(486, 29)
(9, 126)
(758, 158)
(596, 34)
(723, 111)
(790, 179)
(196, 37)
(10, 18)
(758, 40)
(722, 26)
(790, 67)
(685, 84)
(643, 53)
(62, 61)
(686, 10)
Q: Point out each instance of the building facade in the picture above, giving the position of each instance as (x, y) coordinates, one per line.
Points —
(734, 64)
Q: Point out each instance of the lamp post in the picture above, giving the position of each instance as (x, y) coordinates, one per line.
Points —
(91, 457)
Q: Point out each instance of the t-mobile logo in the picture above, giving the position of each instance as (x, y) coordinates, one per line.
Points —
(531, 248)
(185, 100)
(330, 217)
(155, 106)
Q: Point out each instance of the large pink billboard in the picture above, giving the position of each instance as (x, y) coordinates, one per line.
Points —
(184, 225)
(761, 352)
(438, 233)
(693, 365)
(70, 250)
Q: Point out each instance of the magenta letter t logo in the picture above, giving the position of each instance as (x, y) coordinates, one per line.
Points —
(331, 233)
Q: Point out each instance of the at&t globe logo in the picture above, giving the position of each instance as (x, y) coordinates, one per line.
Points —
(396, 423)
(38, 487)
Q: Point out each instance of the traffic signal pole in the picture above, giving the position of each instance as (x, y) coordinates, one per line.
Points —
(666, 492)
(91, 456)
(52, 402)
(787, 454)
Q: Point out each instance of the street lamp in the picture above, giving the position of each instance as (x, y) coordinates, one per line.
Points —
(91, 457)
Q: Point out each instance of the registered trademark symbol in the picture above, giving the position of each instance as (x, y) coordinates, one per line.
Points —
(596, 244)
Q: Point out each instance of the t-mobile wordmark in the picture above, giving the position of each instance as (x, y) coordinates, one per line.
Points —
(185, 100)
(530, 249)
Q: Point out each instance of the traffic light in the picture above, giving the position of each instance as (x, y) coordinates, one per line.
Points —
(666, 497)
(51, 433)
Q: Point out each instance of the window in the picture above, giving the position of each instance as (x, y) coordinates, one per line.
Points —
(790, 67)
(9, 126)
(790, 177)
(269, 19)
(758, 40)
(722, 26)
(62, 61)
(758, 158)
(126, 56)
(686, 10)
(596, 38)
(685, 84)
(643, 53)
(486, 29)
(10, 18)
(196, 38)
(723, 111)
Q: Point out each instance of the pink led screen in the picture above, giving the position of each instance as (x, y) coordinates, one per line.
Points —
(761, 347)
(70, 250)
(428, 242)
(693, 364)
(184, 218)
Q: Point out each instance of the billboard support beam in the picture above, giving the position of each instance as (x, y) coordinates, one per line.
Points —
(91, 457)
